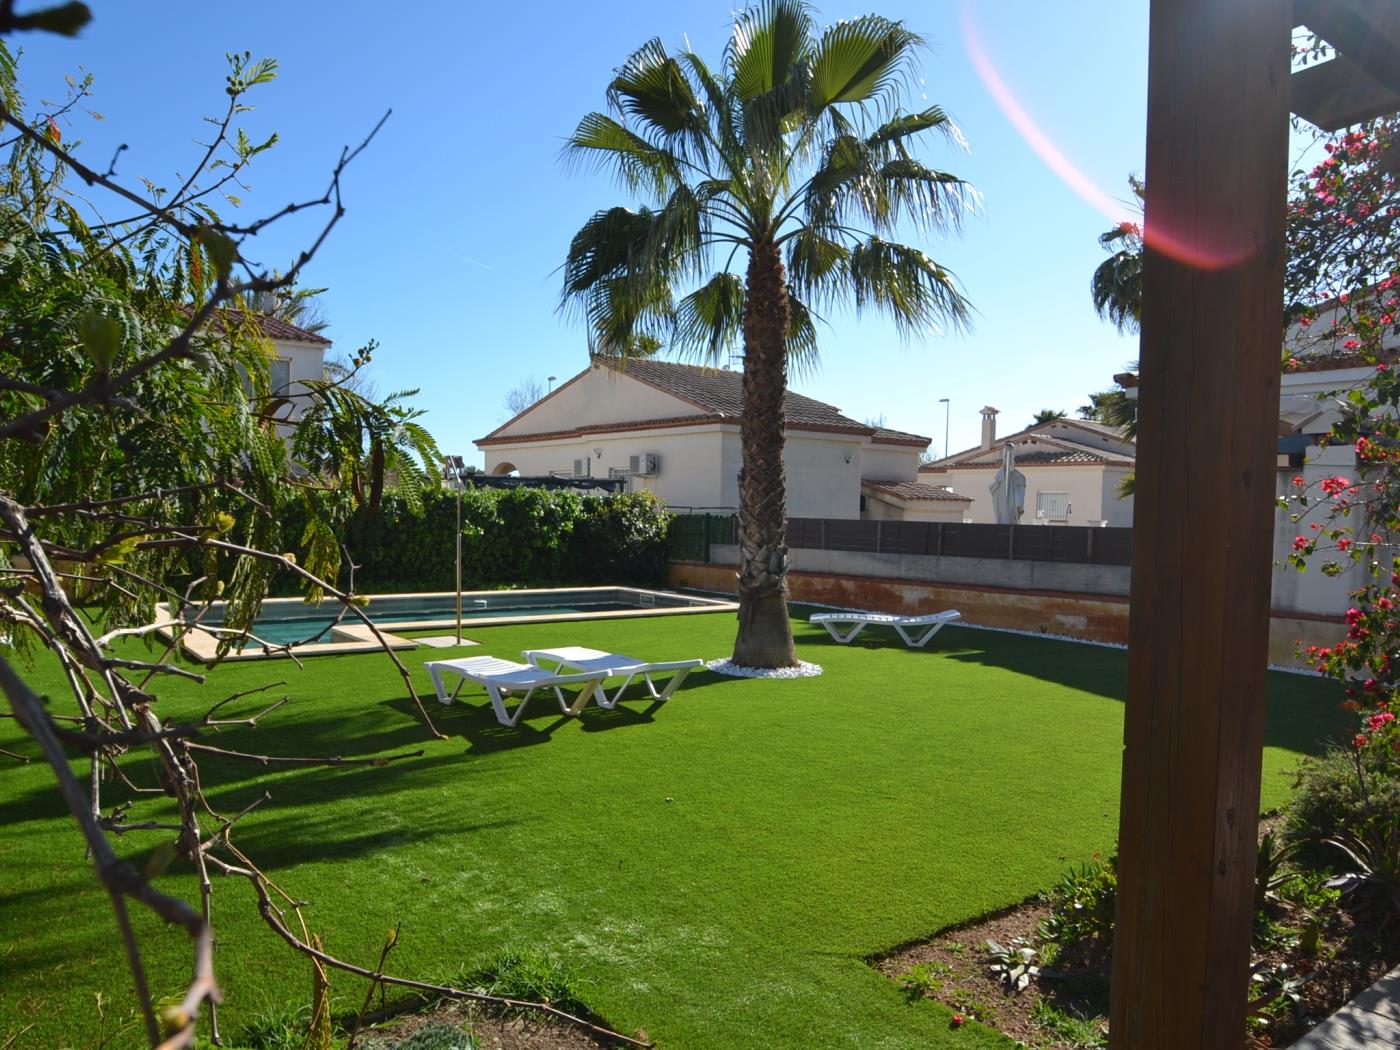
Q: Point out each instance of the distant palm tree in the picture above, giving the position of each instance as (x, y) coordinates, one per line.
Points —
(793, 159)
(1047, 415)
(1117, 282)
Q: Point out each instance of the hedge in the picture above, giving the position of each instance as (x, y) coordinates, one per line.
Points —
(512, 537)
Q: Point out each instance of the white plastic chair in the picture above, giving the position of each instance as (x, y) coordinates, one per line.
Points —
(835, 624)
(581, 659)
(501, 678)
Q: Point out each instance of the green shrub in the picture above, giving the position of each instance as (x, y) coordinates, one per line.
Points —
(622, 540)
(1082, 906)
(515, 537)
(1335, 796)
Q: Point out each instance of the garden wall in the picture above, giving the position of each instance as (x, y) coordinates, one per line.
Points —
(1089, 602)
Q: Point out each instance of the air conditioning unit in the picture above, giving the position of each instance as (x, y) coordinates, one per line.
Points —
(646, 463)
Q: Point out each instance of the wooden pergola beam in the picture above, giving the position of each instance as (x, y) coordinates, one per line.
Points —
(1367, 32)
(1217, 154)
(1339, 93)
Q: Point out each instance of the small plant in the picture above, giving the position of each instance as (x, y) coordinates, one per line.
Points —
(530, 975)
(1014, 966)
(278, 1027)
(432, 1036)
(924, 979)
(1082, 906)
(1374, 881)
(1280, 986)
(1069, 1026)
(1270, 872)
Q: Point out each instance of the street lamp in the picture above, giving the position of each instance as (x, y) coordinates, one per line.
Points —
(947, 413)
(453, 469)
(551, 384)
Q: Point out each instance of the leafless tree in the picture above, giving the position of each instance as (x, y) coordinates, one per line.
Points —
(523, 396)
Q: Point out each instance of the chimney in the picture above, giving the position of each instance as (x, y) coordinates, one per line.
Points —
(989, 426)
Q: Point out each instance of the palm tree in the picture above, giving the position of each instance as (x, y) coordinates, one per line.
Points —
(1117, 282)
(1047, 415)
(793, 159)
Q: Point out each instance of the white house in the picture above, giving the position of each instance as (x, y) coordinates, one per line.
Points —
(1321, 373)
(296, 356)
(1073, 470)
(673, 430)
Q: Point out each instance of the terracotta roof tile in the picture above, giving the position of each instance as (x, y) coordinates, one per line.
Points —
(495, 438)
(886, 436)
(272, 327)
(914, 490)
(721, 392)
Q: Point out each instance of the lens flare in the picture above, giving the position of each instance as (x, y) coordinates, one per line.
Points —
(1191, 251)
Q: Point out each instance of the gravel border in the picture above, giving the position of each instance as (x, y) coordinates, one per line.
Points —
(733, 670)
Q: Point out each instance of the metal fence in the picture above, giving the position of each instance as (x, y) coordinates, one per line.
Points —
(692, 536)
(1079, 544)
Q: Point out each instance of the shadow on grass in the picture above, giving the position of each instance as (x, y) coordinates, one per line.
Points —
(1302, 717)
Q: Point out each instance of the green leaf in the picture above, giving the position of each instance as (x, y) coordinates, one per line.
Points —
(223, 253)
(102, 339)
(65, 19)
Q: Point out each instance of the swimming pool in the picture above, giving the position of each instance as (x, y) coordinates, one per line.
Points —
(316, 629)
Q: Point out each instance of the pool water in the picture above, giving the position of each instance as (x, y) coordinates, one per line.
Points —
(328, 628)
(316, 624)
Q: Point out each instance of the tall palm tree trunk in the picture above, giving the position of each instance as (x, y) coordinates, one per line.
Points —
(765, 635)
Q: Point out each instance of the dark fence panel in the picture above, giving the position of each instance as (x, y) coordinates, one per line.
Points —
(692, 535)
(1076, 544)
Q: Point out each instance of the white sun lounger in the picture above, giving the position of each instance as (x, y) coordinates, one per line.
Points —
(613, 665)
(500, 678)
(845, 626)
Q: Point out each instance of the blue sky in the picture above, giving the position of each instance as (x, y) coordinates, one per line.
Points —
(460, 212)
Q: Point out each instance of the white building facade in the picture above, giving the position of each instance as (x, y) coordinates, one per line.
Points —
(673, 430)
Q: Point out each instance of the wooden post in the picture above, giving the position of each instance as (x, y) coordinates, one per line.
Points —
(1217, 135)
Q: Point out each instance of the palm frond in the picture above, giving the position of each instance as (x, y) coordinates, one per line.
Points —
(770, 39)
(803, 359)
(915, 291)
(606, 244)
(904, 126)
(709, 321)
(651, 88)
(814, 261)
(1116, 287)
(638, 165)
(860, 60)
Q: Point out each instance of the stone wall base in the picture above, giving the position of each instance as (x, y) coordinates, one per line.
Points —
(1090, 617)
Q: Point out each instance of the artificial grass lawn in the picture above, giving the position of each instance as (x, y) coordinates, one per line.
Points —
(717, 868)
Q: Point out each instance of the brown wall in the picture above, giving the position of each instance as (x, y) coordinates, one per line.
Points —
(1096, 618)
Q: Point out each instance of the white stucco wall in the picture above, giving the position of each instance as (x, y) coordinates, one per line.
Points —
(1116, 511)
(306, 361)
(823, 475)
(600, 395)
(691, 468)
(1312, 591)
(889, 462)
(1090, 489)
(913, 510)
